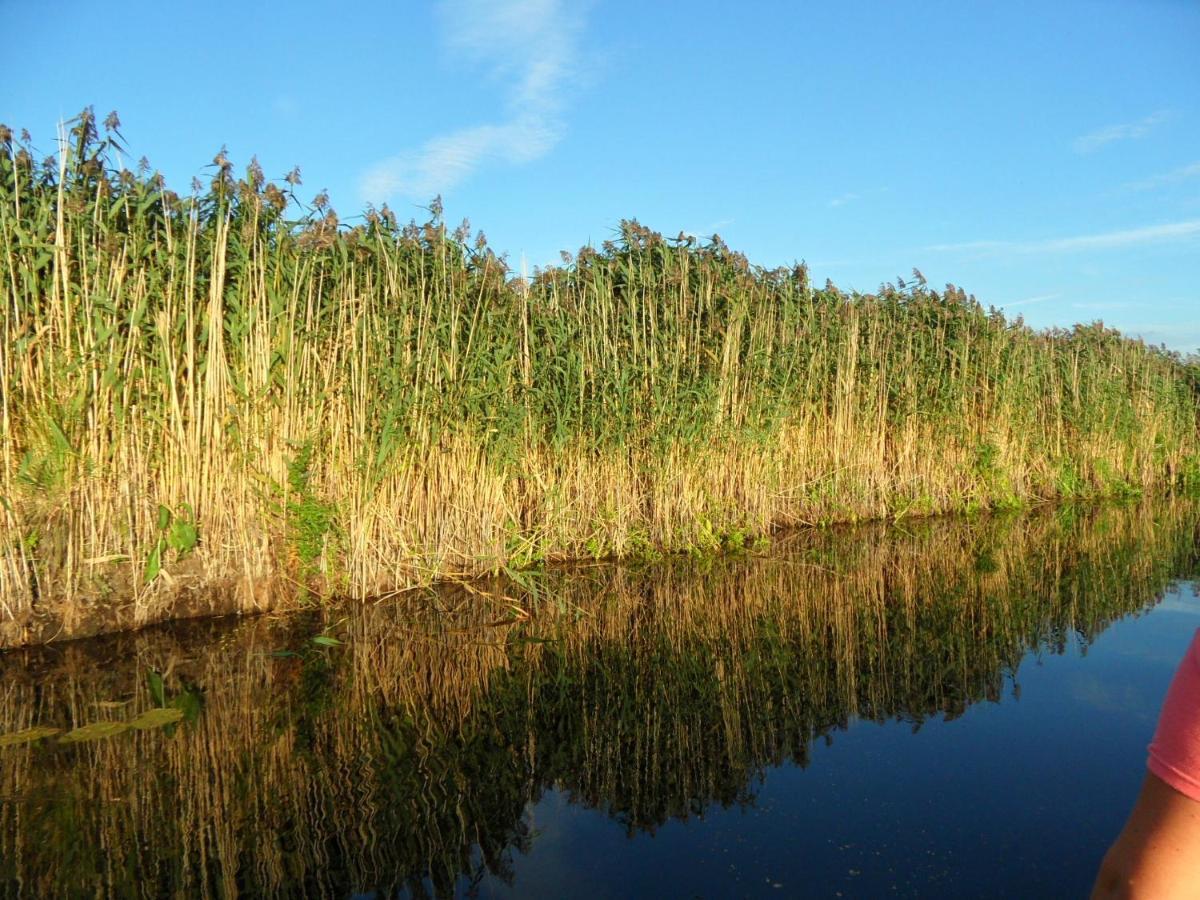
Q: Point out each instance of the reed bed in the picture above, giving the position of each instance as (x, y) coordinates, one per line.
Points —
(405, 758)
(233, 401)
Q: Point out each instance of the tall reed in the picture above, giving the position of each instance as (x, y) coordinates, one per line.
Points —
(217, 396)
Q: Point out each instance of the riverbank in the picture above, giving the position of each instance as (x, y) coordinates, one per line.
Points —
(209, 404)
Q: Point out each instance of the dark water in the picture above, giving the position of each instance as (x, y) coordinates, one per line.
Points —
(1012, 799)
(945, 708)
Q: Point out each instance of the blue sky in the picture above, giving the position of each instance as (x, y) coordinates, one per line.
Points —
(1045, 156)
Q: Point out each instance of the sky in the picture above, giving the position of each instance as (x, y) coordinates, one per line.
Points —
(1043, 156)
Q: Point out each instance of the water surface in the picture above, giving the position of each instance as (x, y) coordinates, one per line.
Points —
(941, 708)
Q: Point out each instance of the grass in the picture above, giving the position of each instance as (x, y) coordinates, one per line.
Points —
(356, 409)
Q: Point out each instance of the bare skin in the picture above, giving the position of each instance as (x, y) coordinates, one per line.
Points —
(1157, 854)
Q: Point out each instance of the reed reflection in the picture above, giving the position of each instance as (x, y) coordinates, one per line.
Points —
(399, 745)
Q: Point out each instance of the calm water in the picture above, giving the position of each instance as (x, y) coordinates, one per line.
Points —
(946, 708)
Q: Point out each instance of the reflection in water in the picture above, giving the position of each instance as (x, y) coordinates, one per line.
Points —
(399, 745)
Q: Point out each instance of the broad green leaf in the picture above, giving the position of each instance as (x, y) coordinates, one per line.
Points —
(94, 731)
(183, 536)
(156, 718)
(155, 682)
(188, 703)
(154, 563)
(27, 736)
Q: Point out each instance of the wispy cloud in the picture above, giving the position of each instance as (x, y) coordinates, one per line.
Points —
(1175, 176)
(708, 230)
(1029, 301)
(1104, 305)
(1151, 234)
(851, 196)
(1125, 699)
(286, 106)
(1182, 338)
(1177, 601)
(535, 57)
(1094, 140)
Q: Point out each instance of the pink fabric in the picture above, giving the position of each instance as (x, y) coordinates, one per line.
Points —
(1175, 750)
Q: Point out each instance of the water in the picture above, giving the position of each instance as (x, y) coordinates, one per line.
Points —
(1013, 799)
(945, 708)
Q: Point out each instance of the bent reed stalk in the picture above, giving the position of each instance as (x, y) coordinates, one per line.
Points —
(203, 398)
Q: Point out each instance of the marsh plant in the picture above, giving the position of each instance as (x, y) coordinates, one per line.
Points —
(356, 409)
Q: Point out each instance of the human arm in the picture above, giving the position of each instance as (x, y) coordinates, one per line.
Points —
(1158, 852)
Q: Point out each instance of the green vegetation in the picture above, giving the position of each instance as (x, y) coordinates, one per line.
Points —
(653, 394)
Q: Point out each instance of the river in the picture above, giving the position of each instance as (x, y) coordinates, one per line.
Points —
(941, 707)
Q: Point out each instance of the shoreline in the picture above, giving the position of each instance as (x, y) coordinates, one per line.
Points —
(197, 605)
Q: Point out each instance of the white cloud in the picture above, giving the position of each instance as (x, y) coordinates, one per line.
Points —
(1151, 234)
(1110, 697)
(707, 231)
(1175, 176)
(1094, 140)
(1178, 601)
(851, 196)
(1102, 306)
(528, 44)
(286, 106)
(1181, 338)
(1029, 301)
